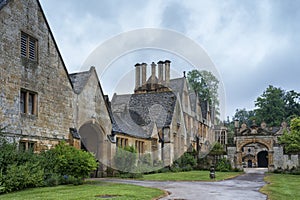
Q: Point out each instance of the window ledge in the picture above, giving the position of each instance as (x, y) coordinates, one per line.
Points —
(30, 116)
(28, 62)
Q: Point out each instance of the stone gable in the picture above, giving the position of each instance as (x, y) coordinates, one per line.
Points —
(31, 62)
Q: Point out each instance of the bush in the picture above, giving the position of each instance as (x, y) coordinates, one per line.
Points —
(67, 160)
(164, 170)
(19, 177)
(131, 175)
(125, 159)
(223, 165)
(65, 180)
(185, 163)
(24, 169)
(52, 180)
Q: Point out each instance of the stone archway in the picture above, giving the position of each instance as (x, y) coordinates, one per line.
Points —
(92, 138)
(262, 159)
(251, 145)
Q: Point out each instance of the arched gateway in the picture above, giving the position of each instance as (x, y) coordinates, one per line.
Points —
(254, 146)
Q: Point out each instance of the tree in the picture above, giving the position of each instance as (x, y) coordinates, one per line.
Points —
(292, 104)
(291, 140)
(244, 116)
(271, 106)
(206, 85)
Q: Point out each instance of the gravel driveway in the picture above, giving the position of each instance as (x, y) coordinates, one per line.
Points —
(243, 187)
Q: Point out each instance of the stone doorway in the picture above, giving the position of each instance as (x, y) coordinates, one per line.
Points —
(262, 159)
(250, 163)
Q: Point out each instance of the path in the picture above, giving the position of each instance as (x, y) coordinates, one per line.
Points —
(244, 187)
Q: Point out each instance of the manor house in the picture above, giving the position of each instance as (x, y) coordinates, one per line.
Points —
(42, 104)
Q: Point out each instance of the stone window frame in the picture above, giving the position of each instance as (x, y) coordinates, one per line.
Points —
(122, 142)
(27, 145)
(140, 146)
(28, 47)
(28, 102)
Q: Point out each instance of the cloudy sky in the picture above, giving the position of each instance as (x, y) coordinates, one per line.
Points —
(252, 44)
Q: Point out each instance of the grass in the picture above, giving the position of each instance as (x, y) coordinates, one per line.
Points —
(189, 176)
(92, 190)
(282, 186)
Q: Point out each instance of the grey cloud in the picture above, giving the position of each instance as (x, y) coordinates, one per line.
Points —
(175, 16)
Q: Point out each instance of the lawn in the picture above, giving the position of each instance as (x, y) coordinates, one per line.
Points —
(282, 186)
(93, 190)
(189, 176)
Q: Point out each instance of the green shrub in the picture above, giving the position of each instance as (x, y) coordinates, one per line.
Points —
(175, 168)
(145, 164)
(67, 160)
(164, 170)
(65, 180)
(19, 177)
(131, 175)
(223, 165)
(185, 163)
(125, 159)
(52, 180)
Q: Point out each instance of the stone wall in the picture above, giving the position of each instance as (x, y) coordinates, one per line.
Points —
(47, 77)
(231, 156)
(284, 161)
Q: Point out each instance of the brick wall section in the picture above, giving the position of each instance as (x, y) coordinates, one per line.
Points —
(48, 77)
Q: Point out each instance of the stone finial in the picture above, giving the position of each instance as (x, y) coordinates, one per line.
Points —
(263, 125)
(284, 125)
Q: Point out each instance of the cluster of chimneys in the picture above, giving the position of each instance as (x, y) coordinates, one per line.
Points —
(163, 73)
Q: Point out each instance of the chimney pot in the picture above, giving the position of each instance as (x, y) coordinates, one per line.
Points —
(144, 73)
(160, 71)
(137, 76)
(167, 72)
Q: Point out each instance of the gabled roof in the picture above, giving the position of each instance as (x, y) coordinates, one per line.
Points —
(177, 85)
(3, 3)
(79, 80)
(136, 114)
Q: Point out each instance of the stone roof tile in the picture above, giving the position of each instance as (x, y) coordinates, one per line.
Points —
(79, 80)
(136, 114)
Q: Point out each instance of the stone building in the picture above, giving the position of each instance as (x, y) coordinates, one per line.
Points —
(36, 94)
(42, 104)
(162, 116)
(257, 146)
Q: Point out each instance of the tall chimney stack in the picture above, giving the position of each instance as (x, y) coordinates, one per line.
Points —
(160, 72)
(137, 76)
(167, 72)
(144, 73)
(153, 72)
